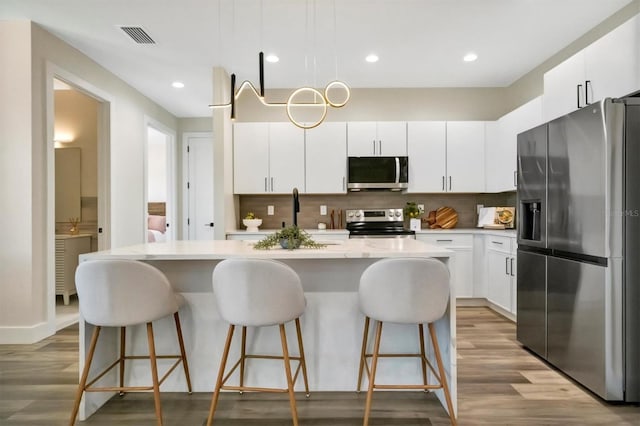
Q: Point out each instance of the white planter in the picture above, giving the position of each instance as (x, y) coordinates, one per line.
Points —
(252, 224)
(414, 224)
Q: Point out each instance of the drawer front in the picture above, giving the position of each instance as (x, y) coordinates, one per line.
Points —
(498, 243)
(447, 240)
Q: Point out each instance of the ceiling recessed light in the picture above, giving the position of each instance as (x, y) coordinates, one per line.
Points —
(372, 58)
(177, 84)
(470, 57)
(272, 58)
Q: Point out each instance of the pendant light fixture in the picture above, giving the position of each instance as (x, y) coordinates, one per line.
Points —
(299, 97)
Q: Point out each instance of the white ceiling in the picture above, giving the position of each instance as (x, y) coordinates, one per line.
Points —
(420, 42)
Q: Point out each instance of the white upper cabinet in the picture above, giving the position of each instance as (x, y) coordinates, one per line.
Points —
(501, 145)
(607, 68)
(427, 148)
(250, 158)
(267, 158)
(446, 156)
(326, 158)
(384, 138)
(286, 158)
(465, 152)
(611, 63)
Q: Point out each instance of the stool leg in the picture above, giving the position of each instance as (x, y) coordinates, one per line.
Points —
(372, 378)
(423, 355)
(183, 353)
(154, 373)
(123, 339)
(223, 364)
(85, 374)
(303, 361)
(363, 352)
(243, 354)
(287, 370)
(443, 377)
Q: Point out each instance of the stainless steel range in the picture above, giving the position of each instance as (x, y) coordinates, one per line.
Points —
(377, 223)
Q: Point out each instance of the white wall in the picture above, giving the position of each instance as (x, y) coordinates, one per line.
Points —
(25, 51)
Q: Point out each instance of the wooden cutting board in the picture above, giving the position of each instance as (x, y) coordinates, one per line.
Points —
(446, 218)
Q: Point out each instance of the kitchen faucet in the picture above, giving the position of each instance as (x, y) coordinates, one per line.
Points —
(296, 206)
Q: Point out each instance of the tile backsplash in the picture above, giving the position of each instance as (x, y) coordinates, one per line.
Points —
(309, 216)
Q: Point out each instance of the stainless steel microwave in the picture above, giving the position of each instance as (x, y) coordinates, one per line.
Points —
(390, 173)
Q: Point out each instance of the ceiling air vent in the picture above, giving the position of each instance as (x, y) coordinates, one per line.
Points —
(138, 35)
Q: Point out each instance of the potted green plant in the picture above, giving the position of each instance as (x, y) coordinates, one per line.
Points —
(413, 212)
(251, 222)
(288, 238)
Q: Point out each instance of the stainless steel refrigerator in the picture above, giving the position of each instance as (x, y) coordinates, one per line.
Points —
(578, 222)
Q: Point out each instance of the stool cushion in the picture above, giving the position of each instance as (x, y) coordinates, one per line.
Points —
(405, 290)
(257, 292)
(116, 293)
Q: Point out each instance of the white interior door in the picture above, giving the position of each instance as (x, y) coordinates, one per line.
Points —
(199, 192)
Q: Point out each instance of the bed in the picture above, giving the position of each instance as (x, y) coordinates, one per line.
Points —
(156, 222)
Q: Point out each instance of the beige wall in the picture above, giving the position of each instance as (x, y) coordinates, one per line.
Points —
(20, 282)
(391, 104)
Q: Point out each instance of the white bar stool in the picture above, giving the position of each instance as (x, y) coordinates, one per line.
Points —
(258, 293)
(121, 293)
(404, 291)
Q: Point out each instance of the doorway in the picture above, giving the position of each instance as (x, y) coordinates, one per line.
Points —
(78, 133)
(198, 178)
(160, 187)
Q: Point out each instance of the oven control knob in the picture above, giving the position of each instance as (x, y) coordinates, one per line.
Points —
(350, 214)
(358, 214)
(398, 213)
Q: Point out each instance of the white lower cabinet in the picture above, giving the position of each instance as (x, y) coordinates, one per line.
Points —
(68, 248)
(501, 272)
(462, 276)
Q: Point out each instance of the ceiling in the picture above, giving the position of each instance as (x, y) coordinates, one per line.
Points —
(420, 42)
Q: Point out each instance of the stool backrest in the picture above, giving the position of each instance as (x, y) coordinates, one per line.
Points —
(405, 290)
(257, 292)
(115, 293)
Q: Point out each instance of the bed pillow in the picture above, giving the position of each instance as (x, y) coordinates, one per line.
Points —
(157, 223)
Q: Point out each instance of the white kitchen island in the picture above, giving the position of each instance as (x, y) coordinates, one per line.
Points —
(331, 325)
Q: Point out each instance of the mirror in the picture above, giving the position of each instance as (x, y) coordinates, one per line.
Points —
(67, 184)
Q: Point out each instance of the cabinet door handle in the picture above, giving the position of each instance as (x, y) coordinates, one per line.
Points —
(515, 178)
(449, 183)
(506, 266)
(587, 83)
(578, 89)
(380, 147)
(443, 183)
(344, 181)
(444, 241)
(265, 184)
(271, 184)
(374, 147)
(497, 242)
(511, 273)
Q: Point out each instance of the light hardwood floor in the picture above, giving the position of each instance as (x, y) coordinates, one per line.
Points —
(499, 383)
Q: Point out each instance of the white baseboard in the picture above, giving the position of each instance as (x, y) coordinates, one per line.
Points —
(25, 335)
